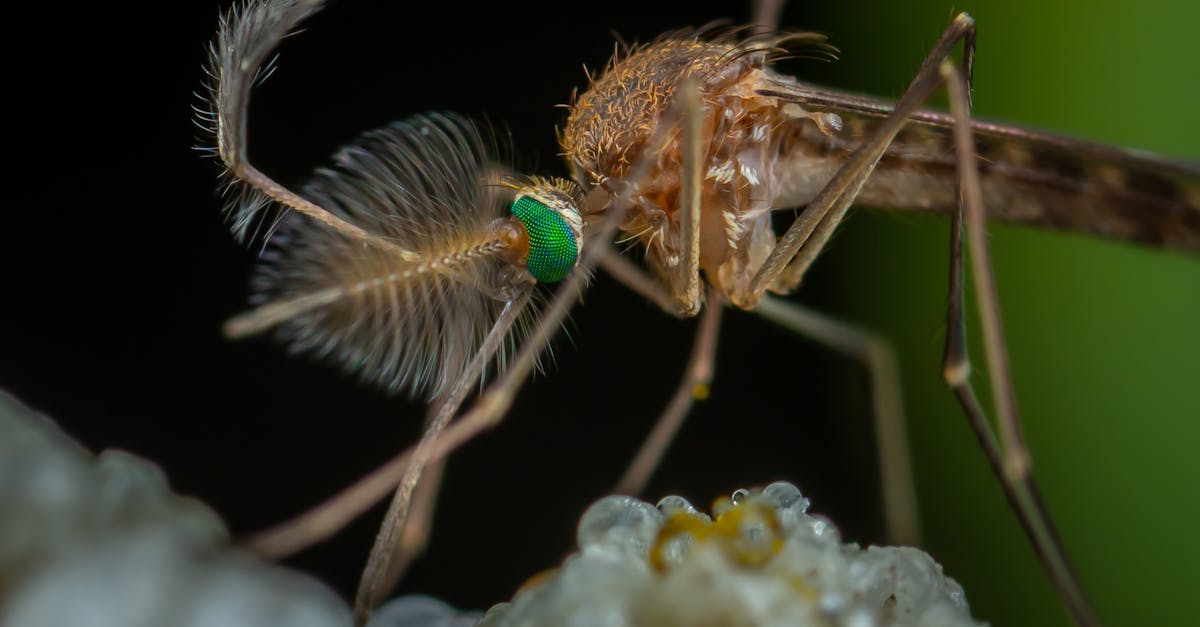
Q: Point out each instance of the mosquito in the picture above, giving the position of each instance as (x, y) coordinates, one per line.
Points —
(680, 242)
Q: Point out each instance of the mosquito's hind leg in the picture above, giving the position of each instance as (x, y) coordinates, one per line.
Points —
(806, 238)
(1009, 456)
(796, 250)
(900, 509)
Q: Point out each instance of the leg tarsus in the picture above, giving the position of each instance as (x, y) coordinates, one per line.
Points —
(901, 513)
(638, 281)
(1009, 457)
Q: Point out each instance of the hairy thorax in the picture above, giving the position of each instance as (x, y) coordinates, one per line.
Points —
(613, 124)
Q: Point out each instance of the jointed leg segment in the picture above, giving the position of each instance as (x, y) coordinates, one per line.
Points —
(1009, 456)
(376, 573)
(806, 238)
(697, 375)
(686, 282)
(877, 355)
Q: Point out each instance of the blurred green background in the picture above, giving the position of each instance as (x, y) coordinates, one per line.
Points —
(1104, 338)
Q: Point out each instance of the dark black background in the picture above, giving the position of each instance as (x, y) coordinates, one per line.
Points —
(118, 272)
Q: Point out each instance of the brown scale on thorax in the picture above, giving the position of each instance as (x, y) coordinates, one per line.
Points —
(612, 123)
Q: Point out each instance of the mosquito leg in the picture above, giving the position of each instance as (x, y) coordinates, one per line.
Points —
(766, 16)
(384, 549)
(901, 513)
(1016, 452)
(322, 521)
(697, 375)
(637, 280)
(326, 518)
(804, 240)
(414, 536)
(247, 36)
(1011, 461)
(686, 283)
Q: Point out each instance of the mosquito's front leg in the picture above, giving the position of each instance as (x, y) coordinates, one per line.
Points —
(414, 534)
(766, 16)
(375, 576)
(686, 279)
(682, 296)
(796, 250)
(638, 280)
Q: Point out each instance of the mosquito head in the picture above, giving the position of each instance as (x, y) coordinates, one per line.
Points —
(548, 212)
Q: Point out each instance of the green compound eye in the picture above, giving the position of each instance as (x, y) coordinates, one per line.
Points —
(552, 246)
